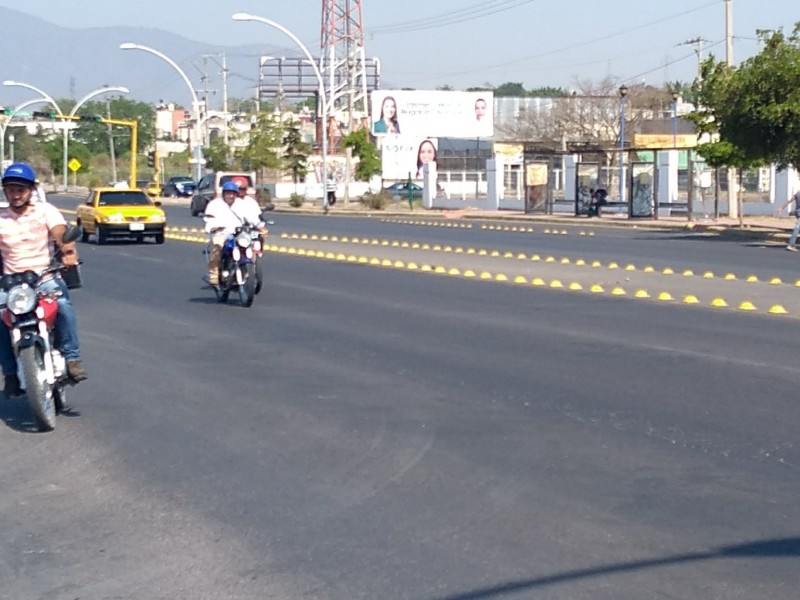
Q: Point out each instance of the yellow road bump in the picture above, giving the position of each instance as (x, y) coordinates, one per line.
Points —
(292, 250)
(500, 277)
(729, 276)
(354, 240)
(775, 281)
(412, 266)
(520, 279)
(690, 300)
(329, 255)
(352, 258)
(494, 253)
(301, 252)
(751, 279)
(613, 265)
(778, 310)
(314, 236)
(596, 289)
(374, 261)
(467, 273)
(556, 284)
(537, 281)
(405, 245)
(522, 256)
(482, 252)
(470, 250)
(324, 238)
(363, 260)
(399, 264)
(345, 239)
(668, 271)
(641, 294)
(618, 291)
(456, 271)
(485, 275)
(648, 269)
(547, 231)
(508, 255)
(797, 283)
(447, 249)
(747, 305)
(580, 262)
(630, 267)
(550, 259)
(386, 262)
(437, 248)
(563, 232)
(426, 246)
(285, 236)
(582, 233)
(565, 260)
(596, 264)
(341, 256)
(440, 270)
(688, 273)
(665, 296)
(719, 303)
(426, 268)
(458, 250)
(415, 245)
(384, 242)
(537, 258)
(708, 275)
(575, 286)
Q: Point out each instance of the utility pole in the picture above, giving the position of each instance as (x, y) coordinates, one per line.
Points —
(733, 195)
(111, 142)
(697, 42)
(224, 72)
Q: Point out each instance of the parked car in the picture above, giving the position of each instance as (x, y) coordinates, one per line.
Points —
(180, 186)
(209, 187)
(114, 212)
(401, 189)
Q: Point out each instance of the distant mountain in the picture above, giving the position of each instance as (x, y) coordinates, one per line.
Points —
(68, 63)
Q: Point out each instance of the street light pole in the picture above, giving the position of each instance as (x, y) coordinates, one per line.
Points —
(323, 97)
(674, 119)
(197, 153)
(55, 105)
(73, 112)
(4, 126)
(623, 92)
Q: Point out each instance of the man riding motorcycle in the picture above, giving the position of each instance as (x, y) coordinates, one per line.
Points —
(222, 216)
(26, 231)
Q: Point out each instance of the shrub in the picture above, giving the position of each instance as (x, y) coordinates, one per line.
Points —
(377, 201)
(296, 200)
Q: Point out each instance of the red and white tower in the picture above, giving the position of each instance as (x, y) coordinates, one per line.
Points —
(343, 66)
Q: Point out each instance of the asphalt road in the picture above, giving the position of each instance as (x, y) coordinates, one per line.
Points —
(371, 432)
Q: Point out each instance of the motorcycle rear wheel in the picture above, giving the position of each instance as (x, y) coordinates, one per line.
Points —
(38, 391)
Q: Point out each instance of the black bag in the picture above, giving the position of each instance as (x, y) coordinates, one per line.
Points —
(72, 277)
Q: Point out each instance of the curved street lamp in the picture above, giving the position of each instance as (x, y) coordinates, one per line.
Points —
(241, 16)
(103, 90)
(55, 105)
(197, 150)
(5, 125)
(623, 91)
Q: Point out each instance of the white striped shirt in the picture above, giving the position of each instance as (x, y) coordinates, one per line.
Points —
(25, 238)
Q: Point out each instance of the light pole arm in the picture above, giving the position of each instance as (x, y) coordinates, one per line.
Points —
(94, 93)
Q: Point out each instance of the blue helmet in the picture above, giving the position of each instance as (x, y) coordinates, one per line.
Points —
(21, 173)
(230, 186)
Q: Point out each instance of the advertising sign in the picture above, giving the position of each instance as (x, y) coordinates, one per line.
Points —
(433, 113)
(404, 155)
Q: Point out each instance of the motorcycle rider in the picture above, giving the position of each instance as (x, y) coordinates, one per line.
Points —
(26, 231)
(222, 216)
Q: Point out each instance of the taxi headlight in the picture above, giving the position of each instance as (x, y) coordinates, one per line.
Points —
(115, 218)
(243, 240)
(157, 218)
(21, 299)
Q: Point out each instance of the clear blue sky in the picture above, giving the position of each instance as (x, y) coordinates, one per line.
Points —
(424, 43)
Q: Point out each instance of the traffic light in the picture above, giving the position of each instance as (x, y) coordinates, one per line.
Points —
(44, 115)
(91, 118)
(151, 158)
(6, 111)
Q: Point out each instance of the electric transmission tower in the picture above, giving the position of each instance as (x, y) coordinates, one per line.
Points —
(343, 65)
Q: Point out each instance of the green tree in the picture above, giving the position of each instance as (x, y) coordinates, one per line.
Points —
(755, 107)
(263, 151)
(217, 155)
(295, 154)
(369, 163)
(510, 89)
(95, 135)
(547, 92)
(53, 149)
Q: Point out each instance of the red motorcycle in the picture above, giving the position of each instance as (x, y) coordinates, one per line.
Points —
(30, 312)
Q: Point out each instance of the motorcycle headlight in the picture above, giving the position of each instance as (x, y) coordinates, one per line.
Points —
(243, 240)
(21, 299)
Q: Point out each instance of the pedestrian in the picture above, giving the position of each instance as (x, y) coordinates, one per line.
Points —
(791, 246)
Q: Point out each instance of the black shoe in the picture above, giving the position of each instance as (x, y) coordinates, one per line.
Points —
(12, 387)
(76, 371)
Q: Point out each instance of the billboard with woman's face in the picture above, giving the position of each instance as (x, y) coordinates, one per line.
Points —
(405, 156)
(433, 113)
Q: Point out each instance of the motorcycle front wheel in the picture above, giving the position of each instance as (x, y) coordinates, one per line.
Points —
(247, 291)
(38, 392)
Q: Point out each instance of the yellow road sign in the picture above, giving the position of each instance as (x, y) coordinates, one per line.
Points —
(74, 164)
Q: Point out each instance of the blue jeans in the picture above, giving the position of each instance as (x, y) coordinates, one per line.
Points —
(795, 231)
(66, 329)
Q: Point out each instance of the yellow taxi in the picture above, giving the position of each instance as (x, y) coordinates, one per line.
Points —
(151, 188)
(121, 212)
